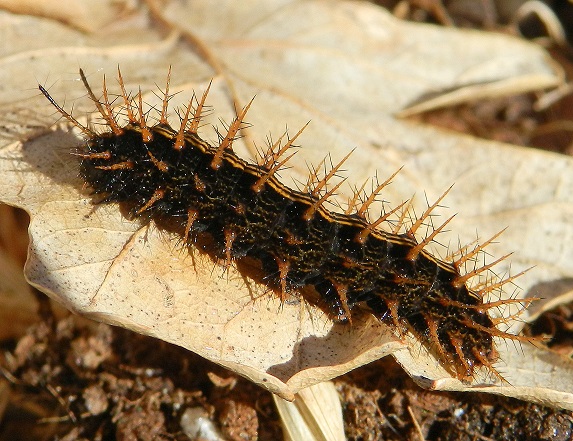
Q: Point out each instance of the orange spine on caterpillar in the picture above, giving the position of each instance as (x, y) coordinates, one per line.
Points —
(160, 173)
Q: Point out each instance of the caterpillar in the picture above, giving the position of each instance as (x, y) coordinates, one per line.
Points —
(169, 176)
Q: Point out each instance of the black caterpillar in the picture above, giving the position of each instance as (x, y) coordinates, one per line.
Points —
(174, 176)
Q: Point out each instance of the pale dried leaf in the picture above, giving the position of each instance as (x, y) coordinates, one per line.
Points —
(315, 415)
(346, 66)
(84, 15)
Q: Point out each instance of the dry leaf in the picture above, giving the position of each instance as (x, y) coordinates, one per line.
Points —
(346, 66)
(86, 16)
(316, 414)
(17, 303)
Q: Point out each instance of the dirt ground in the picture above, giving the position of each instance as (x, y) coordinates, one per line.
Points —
(72, 379)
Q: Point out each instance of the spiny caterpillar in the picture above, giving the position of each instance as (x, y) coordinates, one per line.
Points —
(162, 174)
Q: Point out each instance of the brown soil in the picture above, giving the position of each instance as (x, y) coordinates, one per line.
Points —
(74, 379)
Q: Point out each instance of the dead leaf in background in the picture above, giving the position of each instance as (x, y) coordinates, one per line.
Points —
(17, 303)
(348, 67)
(86, 16)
